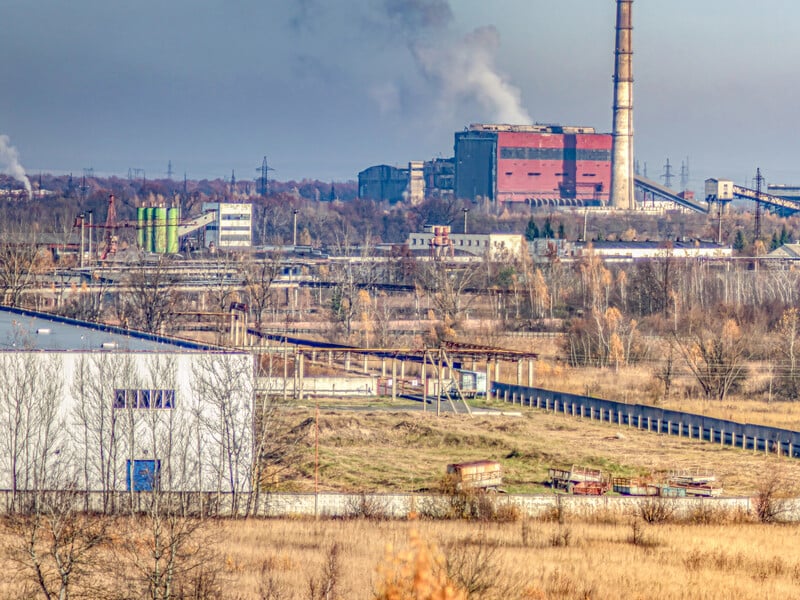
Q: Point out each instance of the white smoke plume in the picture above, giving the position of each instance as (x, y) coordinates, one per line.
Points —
(466, 70)
(9, 163)
(458, 70)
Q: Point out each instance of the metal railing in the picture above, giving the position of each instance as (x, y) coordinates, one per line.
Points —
(746, 436)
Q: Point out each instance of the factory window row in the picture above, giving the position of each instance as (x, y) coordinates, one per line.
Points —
(511, 173)
(564, 154)
(234, 238)
(236, 228)
(144, 399)
(235, 217)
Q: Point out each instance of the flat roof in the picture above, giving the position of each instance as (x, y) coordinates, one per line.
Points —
(22, 330)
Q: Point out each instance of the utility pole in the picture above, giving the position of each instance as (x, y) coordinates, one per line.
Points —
(294, 227)
(759, 181)
(465, 210)
(91, 233)
(82, 217)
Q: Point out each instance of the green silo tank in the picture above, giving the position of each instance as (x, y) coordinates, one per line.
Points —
(148, 230)
(160, 225)
(140, 226)
(172, 230)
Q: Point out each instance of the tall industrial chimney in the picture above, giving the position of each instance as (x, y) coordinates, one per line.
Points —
(622, 148)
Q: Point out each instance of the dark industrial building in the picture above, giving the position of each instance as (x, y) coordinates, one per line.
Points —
(536, 164)
(440, 176)
(421, 179)
(383, 183)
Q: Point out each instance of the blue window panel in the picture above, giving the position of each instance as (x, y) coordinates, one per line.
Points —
(142, 475)
(119, 398)
(158, 398)
(169, 398)
(144, 398)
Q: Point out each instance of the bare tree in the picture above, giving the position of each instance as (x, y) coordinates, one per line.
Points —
(30, 392)
(152, 299)
(53, 539)
(223, 394)
(787, 348)
(56, 542)
(717, 357)
(99, 432)
(446, 285)
(259, 277)
(353, 273)
(20, 263)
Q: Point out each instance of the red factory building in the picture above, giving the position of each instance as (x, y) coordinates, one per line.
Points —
(536, 164)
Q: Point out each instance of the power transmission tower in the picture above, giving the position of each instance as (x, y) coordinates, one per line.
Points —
(233, 184)
(263, 180)
(667, 175)
(84, 186)
(758, 181)
(169, 170)
(685, 174)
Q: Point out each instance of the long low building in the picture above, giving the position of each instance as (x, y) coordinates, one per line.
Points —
(438, 240)
(649, 249)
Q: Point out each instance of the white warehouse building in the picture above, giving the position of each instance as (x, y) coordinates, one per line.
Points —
(104, 409)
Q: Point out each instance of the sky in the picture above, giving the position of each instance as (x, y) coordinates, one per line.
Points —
(326, 88)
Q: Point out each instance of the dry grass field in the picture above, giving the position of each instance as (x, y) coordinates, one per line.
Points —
(616, 558)
(527, 559)
(397, 450)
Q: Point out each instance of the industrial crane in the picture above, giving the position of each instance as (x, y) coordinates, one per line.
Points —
(110, 238)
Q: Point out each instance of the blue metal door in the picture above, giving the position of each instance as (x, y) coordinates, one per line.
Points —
(142, 475)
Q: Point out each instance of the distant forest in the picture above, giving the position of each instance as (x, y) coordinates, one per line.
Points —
(329, 214)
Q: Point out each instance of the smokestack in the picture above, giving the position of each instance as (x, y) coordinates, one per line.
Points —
(622, 148)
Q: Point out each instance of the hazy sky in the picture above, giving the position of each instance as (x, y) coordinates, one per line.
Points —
(325, 88)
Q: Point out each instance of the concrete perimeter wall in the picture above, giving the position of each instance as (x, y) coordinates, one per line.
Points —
(401, 506)
(758, 438)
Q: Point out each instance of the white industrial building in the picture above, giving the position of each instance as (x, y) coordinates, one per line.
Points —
(232, 227)
(439, 240)
(103, 409)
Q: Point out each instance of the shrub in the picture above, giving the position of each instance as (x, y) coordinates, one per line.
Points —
(655, 510)
(418, 573)
(367, 506)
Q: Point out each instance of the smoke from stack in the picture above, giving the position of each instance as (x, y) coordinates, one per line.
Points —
(9, 163)
(458, 70)
(622, 147)
(466, 71)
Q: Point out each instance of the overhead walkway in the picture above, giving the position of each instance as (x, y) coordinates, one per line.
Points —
(777, 201)
(665, 193)
(196, 223)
